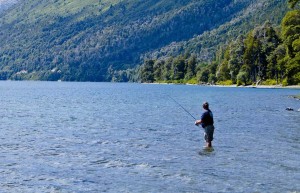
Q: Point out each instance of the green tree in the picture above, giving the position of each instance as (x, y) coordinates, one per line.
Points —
(147, 71)
(178, 68)
(243, 76)
(158, 70)
(252, 55)
(291, 30)
(204, 75)
(235, 62)
(167, 69)
(269, 41)
(276, 64)
(291, 36)
(223, 72)
(206, 72)
(191, 68)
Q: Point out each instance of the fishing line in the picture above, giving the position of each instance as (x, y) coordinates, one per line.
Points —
(183, 108)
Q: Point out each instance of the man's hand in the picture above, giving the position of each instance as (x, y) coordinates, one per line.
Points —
(197, 122)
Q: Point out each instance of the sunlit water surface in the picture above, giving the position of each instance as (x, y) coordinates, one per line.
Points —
(105, 137)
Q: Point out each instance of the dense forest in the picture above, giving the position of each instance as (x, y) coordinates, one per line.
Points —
(99, 40)
(268, 54)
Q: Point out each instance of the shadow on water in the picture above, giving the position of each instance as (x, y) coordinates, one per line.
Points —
(207, 151)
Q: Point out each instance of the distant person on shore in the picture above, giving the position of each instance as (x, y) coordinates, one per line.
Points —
(207, 123)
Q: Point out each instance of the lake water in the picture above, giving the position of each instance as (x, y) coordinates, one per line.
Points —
(105, 137)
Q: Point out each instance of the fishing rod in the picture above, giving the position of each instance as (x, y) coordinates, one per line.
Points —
(183, 108)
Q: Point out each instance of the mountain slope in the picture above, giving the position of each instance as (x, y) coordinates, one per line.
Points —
(83, 40)
(206, 44)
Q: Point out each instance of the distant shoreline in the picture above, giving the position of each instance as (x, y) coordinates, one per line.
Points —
(261, 86)
(235, 86)
(166, 83)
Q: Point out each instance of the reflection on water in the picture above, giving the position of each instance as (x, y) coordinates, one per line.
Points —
(103, 137)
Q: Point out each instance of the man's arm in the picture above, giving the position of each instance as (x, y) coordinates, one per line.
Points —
(198, 122)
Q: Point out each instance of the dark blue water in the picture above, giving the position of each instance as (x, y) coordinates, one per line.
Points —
(104, 137)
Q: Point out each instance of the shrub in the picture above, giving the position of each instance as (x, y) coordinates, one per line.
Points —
(226, 82)
(242, 78)
(239, 83)
(284, 82)
(269, 82)
(192, 81)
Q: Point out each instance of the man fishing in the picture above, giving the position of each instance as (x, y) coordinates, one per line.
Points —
(207, 123)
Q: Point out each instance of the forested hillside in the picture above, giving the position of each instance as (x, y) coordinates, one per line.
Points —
(267, 54)
(94, 40)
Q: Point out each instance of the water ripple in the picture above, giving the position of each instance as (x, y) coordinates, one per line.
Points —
(103, 137)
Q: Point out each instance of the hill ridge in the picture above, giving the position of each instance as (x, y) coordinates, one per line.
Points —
(84, 41)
